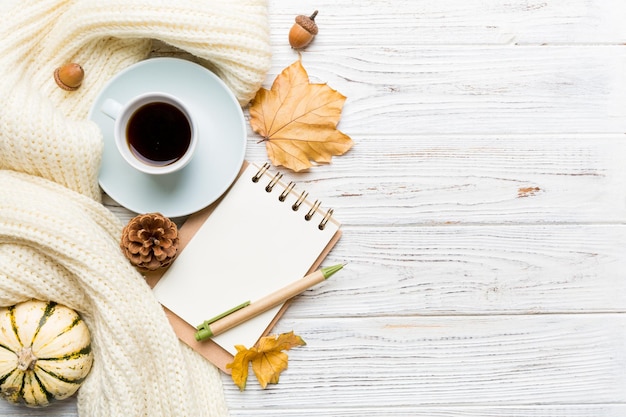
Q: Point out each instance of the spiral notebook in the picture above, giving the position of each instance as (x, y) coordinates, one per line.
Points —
(261, 235)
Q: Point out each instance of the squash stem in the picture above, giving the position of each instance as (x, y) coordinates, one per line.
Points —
(26, 359)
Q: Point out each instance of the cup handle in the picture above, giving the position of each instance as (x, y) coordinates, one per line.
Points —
(111, 108)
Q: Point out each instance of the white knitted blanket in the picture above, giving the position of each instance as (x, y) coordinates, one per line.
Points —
(57, 242)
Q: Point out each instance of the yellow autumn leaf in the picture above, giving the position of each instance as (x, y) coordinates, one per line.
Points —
(267, 358)
(298, 120)
(239, 366)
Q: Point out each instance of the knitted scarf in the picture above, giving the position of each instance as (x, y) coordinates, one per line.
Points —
(57, 241)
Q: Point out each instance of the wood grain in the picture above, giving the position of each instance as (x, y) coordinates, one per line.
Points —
(608, 410)
(378, 23)
(463, 270)
(452, 361)
(474, 89)
(448, 179)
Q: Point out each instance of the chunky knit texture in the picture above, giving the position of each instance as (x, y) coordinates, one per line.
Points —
(57, 242)
(43, 129)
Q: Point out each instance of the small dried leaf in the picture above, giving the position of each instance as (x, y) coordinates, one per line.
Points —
(298, 120)
(267, 358)
(240, 366)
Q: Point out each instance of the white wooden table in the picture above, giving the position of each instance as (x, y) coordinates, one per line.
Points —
(483, 209)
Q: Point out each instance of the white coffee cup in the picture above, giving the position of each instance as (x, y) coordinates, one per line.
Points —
(154, 132)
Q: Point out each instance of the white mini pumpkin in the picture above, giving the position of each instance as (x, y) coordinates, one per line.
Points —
(45, 352)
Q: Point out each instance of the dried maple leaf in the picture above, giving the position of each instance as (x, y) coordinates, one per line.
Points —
(267, 358)
(298, 120)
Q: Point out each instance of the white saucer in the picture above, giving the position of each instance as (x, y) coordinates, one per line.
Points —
(219, 154)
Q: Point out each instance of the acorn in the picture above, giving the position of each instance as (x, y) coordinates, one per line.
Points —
(69, 76)
(303, 31)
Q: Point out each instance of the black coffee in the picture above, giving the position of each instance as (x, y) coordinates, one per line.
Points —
(158, 133)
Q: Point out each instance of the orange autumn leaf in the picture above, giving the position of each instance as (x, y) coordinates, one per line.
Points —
(298, 120)
(267, 358)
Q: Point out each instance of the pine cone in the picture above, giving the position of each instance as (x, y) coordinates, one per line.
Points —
(150, 241)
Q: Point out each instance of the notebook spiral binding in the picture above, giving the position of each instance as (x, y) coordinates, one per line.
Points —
(287, 190)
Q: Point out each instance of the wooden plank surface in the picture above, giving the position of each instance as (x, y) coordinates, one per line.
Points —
(484, 212)
(464, 270)
(478, 90)
(451, 361)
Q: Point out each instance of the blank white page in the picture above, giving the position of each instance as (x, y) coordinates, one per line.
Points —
(250, 246)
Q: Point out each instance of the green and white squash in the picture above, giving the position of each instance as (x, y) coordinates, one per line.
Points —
(45, 352)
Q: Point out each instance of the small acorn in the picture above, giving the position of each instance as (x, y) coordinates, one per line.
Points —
(69, 76)
(303, 31)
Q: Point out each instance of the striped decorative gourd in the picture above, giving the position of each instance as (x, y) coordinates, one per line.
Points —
(45, 352)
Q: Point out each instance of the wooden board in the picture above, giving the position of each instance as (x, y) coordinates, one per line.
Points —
(483, 209)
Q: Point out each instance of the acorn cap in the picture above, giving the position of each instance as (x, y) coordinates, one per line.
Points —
(308, 22)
